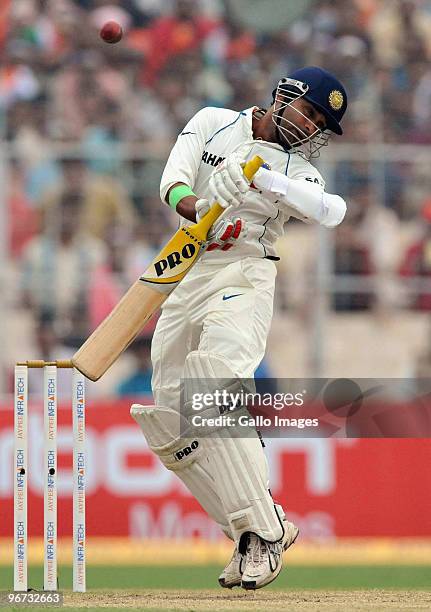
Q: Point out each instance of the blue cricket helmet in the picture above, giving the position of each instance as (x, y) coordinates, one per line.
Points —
(325, 92)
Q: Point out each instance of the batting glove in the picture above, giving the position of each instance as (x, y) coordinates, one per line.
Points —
(225, 233)
(228, 184)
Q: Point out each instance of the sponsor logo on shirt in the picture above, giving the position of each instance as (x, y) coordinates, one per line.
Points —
(211, 158)
(313, 179)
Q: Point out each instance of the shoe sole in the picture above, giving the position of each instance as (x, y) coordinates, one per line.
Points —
(250, 585)
(222, 582)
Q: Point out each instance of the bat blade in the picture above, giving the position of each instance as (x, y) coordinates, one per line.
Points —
(148, 293)
(118, 330)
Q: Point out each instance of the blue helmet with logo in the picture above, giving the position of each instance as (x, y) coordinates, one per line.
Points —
(327, 95)
(324, 91)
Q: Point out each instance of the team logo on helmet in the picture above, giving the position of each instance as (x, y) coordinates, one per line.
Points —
(336, 100)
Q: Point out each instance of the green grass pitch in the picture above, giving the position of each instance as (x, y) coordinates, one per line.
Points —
(205, 577)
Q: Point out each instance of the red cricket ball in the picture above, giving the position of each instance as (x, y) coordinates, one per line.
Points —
(111, 32)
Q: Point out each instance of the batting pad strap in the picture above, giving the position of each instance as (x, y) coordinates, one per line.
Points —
(178, 193)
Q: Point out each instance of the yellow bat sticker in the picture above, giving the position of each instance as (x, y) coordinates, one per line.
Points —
(175, 260)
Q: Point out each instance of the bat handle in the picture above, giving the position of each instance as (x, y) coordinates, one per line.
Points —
(252, 166)
(202, 228)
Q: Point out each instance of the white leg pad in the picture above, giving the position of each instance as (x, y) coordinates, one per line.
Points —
(187, 457)
(238, 464)
(241, 478)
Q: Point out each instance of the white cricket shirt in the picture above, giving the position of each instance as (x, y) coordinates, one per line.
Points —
(208, 138)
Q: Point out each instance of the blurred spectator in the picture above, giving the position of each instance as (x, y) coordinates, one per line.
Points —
(58, 269)
(139, 381)
(422, 368)
(194, 58)
(352, 175)
(398, 28)
(28, 128)
(45, 32)
(417, 262)
(5, 6)
(87, 87)
(421, 133)
(164, 111)
(107, 212)
(296, 268)
(46, 339)
(378, 230)
(17, 82)
(48, 346)
(230, 42)
(352, 257)
(148, 238)
(173, 35)
(143, 11)
(356, 39)
(100, 138)
(23, 219)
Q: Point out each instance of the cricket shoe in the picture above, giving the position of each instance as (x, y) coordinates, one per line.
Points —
(264, 560)
(232, 574)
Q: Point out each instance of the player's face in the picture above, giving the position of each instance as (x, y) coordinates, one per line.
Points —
(303, 114)
(302, 120)
(299, 125)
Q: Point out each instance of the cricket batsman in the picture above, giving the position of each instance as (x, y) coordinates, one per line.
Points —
(214, 326)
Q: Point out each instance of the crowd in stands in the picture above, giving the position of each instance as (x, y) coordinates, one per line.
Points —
(89, 125)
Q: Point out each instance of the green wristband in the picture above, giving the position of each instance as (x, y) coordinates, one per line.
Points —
(178, 193)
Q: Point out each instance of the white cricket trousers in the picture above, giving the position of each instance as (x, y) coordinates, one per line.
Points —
(225, 310)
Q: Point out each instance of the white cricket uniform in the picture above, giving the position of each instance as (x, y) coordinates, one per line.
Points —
(200, 313)
(215, 325)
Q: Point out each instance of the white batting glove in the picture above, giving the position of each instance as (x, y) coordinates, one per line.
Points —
(225, 233)
(228, 184)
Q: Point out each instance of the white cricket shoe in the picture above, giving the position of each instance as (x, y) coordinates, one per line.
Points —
(264, 560)
(232, 573)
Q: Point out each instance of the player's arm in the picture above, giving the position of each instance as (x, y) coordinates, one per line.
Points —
(227, 185)
(186, 206)
(306, 197)
(181, 170)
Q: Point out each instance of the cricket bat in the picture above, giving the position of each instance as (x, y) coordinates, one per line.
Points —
(148, 293)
